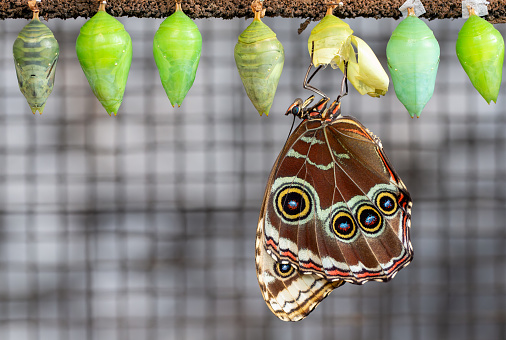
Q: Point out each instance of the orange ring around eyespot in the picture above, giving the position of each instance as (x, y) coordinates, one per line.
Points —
(277, 270)
(377, 225)
(302, 214)
(392, 197)
(353, 226)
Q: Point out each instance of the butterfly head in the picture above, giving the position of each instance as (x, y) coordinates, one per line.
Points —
(298, 107)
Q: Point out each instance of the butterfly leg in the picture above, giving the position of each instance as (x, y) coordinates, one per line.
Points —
(344, 83)
(305, 84)
(334, 110)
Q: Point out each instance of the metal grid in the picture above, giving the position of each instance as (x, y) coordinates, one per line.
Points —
(142, 226)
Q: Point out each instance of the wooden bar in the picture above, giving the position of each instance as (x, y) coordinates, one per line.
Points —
(228, 9)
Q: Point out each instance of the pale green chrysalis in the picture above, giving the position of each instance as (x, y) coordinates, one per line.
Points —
(176, 48)
(480, 49)
(330, 41)
(413, 59)
(104, 50)
(36, 53)
(259, 57)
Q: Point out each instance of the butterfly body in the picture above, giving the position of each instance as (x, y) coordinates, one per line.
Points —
(334, 210)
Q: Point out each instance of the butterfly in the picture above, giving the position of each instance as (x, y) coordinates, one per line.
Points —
(334, 211)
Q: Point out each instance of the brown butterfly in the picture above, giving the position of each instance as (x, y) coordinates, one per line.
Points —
(334, 211)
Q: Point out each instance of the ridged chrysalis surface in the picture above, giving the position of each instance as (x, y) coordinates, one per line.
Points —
(413, 59)
(259, 57)
(104, 50)
(36, 53)
(480, 49)
(176, 48)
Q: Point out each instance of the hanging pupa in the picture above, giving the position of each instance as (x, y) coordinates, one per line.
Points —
(332, 42)
(413, 59)
(176, 48)
(259, 57)
(480, 49)
(104, 50)
(36, 53)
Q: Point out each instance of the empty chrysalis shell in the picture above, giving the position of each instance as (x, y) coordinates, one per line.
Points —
(413, 59)
(365, 71)
(176, 48)
(480, 49)
(36, 53)
(332, 42)
(104, 50)
(259, 57)
(332, 45)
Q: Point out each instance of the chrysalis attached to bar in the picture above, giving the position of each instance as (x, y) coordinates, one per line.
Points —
(413, 59)
(480, 49)
(259, 57)
(36, 53)
(104, 50)
(176, 48)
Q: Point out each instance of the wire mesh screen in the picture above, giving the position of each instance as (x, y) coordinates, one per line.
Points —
(142, 226)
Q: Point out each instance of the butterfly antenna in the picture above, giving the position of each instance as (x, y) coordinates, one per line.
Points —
(289, 133)
(291, 128)
(306, 85)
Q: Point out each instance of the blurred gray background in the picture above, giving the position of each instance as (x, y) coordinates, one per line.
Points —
(142, 226)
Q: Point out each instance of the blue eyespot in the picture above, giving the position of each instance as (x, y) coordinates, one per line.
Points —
(284, 267)
(387, 203)
(283, 270)
(343, 225)
(369, 219)
(293, 204)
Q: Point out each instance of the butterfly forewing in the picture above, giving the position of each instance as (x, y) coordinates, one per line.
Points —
(335, 207)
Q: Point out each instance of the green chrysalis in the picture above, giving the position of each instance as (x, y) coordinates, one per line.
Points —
(104, 50)
(480, 49)
(176, 48)
(259, 57)
(413, 59)
(36, 53)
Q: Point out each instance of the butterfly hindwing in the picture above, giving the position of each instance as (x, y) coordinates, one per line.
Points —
(289, 294)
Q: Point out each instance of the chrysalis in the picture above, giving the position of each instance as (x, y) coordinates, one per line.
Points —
(259, 57)
(104, 50)
(365, 71)
(36, 53)
(413, 59)
(480, 49)
(331, 42)
(176, 49)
